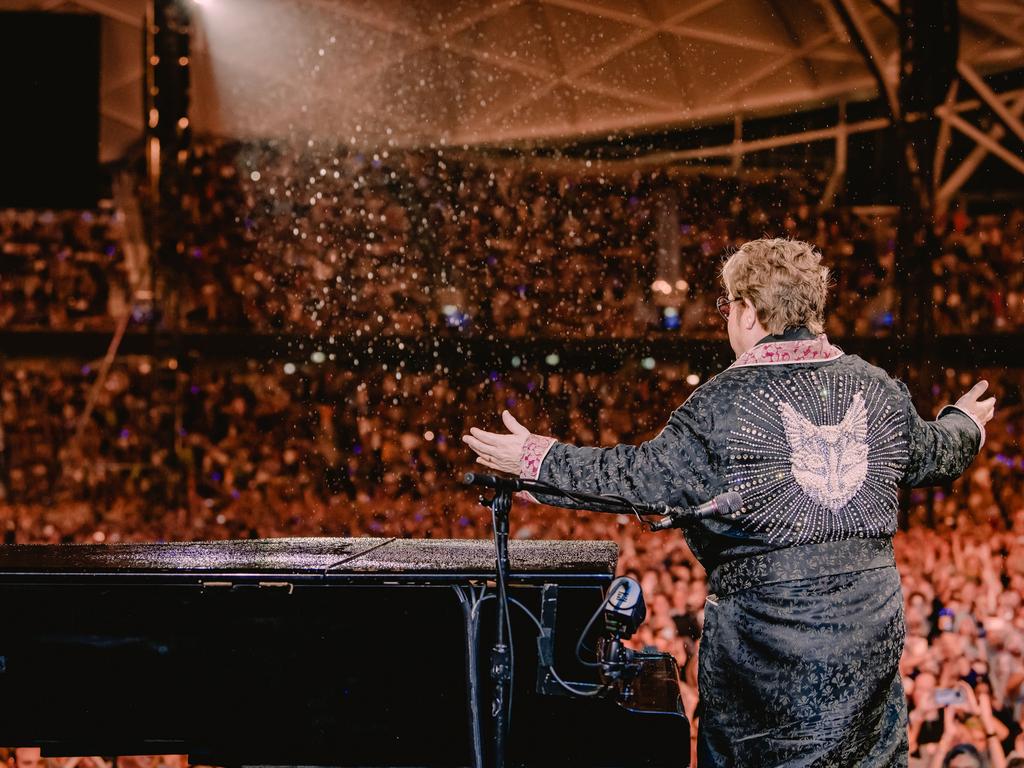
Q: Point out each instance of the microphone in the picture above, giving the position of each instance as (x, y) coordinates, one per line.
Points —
(624, 607)
(723, 504)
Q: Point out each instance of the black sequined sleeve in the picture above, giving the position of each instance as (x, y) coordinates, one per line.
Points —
(671, 468)
(940, 450)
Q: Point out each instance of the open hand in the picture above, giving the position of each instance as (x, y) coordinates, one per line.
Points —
(981, 410)
(498, 451)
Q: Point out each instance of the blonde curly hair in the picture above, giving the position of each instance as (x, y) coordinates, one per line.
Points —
(784, 280)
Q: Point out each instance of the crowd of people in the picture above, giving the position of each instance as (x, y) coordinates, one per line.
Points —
(418, 241)
(62, 270)
(422, 244)
(314, 242)
(219, 451)
(274, 239)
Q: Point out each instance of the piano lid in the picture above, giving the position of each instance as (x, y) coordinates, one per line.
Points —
(314, 556)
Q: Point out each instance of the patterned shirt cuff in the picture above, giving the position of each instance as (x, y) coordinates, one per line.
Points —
(968, 415)
(535, 448)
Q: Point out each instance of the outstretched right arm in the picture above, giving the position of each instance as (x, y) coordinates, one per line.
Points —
(941, 450)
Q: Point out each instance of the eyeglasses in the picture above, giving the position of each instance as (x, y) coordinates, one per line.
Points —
(724, 305)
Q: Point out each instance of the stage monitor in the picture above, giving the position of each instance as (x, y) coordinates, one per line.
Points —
(49, 129)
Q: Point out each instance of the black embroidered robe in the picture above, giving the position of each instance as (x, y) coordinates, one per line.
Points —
(798, 663)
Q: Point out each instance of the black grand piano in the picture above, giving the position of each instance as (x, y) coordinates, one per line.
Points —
(321, 651)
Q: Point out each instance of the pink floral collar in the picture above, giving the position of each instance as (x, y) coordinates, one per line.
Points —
(816, 350)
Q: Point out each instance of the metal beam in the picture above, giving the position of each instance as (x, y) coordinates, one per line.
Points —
(982, 139)
(981, 88)
(130, 78)
(98, 7)
(794, 38)
(542, 20)
(736, 40)
(419, 40)
(671, 50)
(994, 6)
(970, 164)
(636, 20)
(645, 32)
(774, 66)
(944, 137)
(772, 142)
(569, 77)
(679, 117)
(600, 12)
(528, 70)
(839, 171)
(860, 33)
(892, 14)
(623, 94)
(969, 105)
(1005, 31)
(133, 121)
(537, 73)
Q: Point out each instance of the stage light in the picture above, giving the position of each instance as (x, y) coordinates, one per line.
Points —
(661, 286)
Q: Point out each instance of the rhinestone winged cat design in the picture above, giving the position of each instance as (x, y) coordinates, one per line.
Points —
(829, 462)
(817, 457)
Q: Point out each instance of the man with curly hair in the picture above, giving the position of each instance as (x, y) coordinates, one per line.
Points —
(803, 626)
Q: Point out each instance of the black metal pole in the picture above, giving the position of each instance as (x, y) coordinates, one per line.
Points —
(501, 669)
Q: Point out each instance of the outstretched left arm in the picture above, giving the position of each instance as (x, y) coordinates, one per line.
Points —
(672, 468)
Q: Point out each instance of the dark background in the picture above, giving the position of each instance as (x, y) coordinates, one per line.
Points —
(49, 133)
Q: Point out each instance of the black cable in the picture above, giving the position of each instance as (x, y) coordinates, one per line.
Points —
(583, 635)
(598, 691)
(626, 501)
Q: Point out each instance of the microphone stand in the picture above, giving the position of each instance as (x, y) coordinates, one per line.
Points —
(501, 668)
(500, 504)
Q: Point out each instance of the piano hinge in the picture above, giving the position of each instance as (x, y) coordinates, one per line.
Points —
(216, 584)
(261, 584)
(279, 585)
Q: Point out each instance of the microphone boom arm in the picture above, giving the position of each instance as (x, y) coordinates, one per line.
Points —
(593, 502)
(724, 504)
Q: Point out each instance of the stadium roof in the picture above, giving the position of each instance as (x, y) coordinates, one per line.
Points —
(499, 71)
